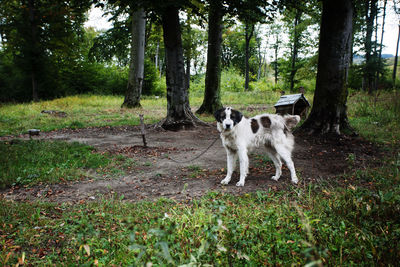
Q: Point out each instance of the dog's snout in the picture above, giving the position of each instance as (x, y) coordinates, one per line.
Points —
(228, 126)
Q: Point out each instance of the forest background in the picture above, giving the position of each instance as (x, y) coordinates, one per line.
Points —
(74, 59)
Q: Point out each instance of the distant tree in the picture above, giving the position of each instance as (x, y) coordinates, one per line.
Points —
(251, 12)
(136, 67)
(298, 16)
(371, 9)
(329, 111)
(380, 63)
(275, 31)
(40, 37)
(192, 40)
(397, 10)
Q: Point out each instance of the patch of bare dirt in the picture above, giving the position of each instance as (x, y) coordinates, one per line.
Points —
(156, 171)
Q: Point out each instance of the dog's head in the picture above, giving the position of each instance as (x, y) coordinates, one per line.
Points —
(228, 118)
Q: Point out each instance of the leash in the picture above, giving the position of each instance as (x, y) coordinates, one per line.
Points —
(198, 156)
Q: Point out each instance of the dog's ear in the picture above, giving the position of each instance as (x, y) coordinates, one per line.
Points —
(291, 121)
(236, 116)
(218, 114)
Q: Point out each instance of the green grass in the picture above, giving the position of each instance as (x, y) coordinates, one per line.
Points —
(376, 117)
(92, 110)
(316, 224)
(349, 220)
(82, 111)
(32, 162)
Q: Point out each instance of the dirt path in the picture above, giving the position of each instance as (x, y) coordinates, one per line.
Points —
(154, 174)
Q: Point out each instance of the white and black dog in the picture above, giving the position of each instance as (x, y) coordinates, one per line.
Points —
(240, 135)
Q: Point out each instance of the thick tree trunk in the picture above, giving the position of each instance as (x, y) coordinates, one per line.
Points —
(34, 57)
(187, 73)
(188, 56)
(212, 97)
(329, 112)
(136, 67)
(249, 30)
(179, 114)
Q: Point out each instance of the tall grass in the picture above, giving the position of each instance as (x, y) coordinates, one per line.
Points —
(376, 117)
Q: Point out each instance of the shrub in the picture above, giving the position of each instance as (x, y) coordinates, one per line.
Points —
(232, 81)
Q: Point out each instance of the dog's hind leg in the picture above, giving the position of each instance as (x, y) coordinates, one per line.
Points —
(244, 166)
(231, 158)
(286, 155)
(277, 162)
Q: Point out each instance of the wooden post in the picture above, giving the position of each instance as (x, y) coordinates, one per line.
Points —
(142, 130)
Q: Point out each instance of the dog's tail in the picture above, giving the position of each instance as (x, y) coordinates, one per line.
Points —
(291, 121)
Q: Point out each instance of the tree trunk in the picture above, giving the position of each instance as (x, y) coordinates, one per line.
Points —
(378, 72)
(34, 57)
(212, 95)
(136, 66)
(249, 30)
(179, 114)
(295, 49)
(395, 59)
(276, 50)
(329, 112)
(188, 55)
(157, 53)
(261, 59)
(370, 12)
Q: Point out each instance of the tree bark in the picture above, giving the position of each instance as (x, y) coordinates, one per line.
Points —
(179, 114)
(249, 30)
(329, 112)
(212, 91)
(34, 57)
(136, 67)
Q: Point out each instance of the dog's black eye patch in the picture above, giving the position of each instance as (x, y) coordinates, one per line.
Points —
(236, 116)
(220, 115)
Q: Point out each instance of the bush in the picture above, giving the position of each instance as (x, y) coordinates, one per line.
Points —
(232, 81)
(152, 84)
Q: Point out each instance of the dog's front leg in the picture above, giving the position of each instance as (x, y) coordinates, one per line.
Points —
(244, 166)
(231, 158)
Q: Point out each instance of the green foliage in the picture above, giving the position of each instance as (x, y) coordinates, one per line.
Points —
(233, 50)
(40, 44)
(33, 162)
(231, 81)
(324, 224)
(151, 85)
(355, 77)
